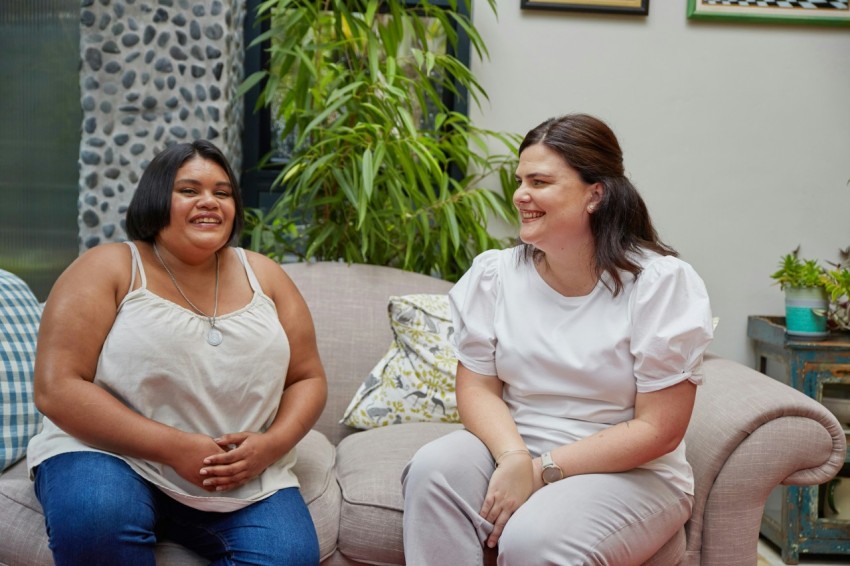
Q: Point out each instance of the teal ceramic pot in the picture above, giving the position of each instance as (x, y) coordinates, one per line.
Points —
(805, 313)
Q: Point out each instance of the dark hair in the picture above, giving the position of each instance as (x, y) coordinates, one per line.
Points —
(150, 208)
(621, 223)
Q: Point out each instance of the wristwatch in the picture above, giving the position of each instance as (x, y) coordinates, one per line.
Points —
(551, 471)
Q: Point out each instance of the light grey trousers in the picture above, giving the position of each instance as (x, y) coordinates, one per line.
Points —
(600, 519)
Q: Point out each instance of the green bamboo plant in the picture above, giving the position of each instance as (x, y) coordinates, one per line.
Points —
(382, 170)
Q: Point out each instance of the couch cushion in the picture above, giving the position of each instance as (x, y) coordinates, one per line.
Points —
(20, 314)
(369, 466)
(24, 539)
(315, 472)
(415, 380)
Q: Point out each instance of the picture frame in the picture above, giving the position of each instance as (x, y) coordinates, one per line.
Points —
(627, 7)
(814, 12)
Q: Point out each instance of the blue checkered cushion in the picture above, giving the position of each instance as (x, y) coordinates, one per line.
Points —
(20, 314)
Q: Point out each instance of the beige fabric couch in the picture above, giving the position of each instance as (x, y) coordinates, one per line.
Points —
(748, 434)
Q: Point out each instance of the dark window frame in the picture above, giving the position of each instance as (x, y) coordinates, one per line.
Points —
(256, 134)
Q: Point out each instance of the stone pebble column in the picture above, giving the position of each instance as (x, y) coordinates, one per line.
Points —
(153, 73)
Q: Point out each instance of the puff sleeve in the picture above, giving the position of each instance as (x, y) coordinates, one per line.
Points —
(473, 305)
(671, 324)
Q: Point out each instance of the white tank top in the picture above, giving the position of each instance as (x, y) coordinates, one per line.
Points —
(156, 360)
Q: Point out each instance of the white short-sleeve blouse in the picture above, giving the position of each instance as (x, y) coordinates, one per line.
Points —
(571, 366)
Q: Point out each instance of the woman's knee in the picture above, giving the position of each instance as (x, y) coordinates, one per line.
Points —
(285, 548)
(445, 460)
(427, 463)
(521, 539)
(596, 519)
(92, 499)
(278, 530)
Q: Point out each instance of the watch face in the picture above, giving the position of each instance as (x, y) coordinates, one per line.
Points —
(551, 475)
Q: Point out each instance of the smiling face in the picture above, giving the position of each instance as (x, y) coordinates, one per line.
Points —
(553, 201)
(202, 207)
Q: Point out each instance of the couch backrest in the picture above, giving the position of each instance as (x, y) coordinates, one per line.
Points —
(349, 308)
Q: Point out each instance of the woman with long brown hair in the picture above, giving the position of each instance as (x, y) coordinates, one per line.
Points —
(579, 358)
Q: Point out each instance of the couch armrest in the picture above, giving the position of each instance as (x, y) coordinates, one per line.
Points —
(748, 434)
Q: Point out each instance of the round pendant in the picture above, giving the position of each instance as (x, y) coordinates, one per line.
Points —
(214, 337)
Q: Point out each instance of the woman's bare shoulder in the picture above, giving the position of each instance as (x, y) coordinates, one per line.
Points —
(104, 267)
(265, 268)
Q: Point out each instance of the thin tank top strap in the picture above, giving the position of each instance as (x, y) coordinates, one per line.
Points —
(137, 261)
(255, 284)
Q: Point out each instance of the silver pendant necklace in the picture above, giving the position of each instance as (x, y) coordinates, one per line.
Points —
(214, 336)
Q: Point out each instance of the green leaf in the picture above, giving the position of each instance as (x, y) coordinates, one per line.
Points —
(318, 120)
(318, 239)
(368, 173)
(454, 231)
(372, 51)
(391, 69)
(250, 82)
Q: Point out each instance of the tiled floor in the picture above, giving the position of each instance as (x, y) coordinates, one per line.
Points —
(769, 556)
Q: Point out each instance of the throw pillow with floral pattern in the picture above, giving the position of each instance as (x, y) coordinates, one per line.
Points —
(415, 380)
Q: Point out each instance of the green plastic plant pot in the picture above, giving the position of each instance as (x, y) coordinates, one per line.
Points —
(805, 313)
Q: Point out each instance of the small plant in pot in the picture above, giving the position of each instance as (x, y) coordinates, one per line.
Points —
(836, 282)
(806, 300)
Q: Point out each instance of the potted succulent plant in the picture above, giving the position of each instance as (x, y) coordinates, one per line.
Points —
(806, 300)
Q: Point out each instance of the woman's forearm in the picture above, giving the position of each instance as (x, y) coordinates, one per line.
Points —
(301, 406)
(484, 413)
(620, 448)
(94, 416)
(661, 419)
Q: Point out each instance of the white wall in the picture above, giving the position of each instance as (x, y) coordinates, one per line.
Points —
(737, 135)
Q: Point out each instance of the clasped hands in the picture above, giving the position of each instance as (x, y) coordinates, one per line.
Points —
(223, 463)
(511, 484)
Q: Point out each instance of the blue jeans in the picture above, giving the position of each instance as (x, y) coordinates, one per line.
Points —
(99, 511)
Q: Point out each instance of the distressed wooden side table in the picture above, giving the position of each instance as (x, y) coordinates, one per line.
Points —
(796, 518)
